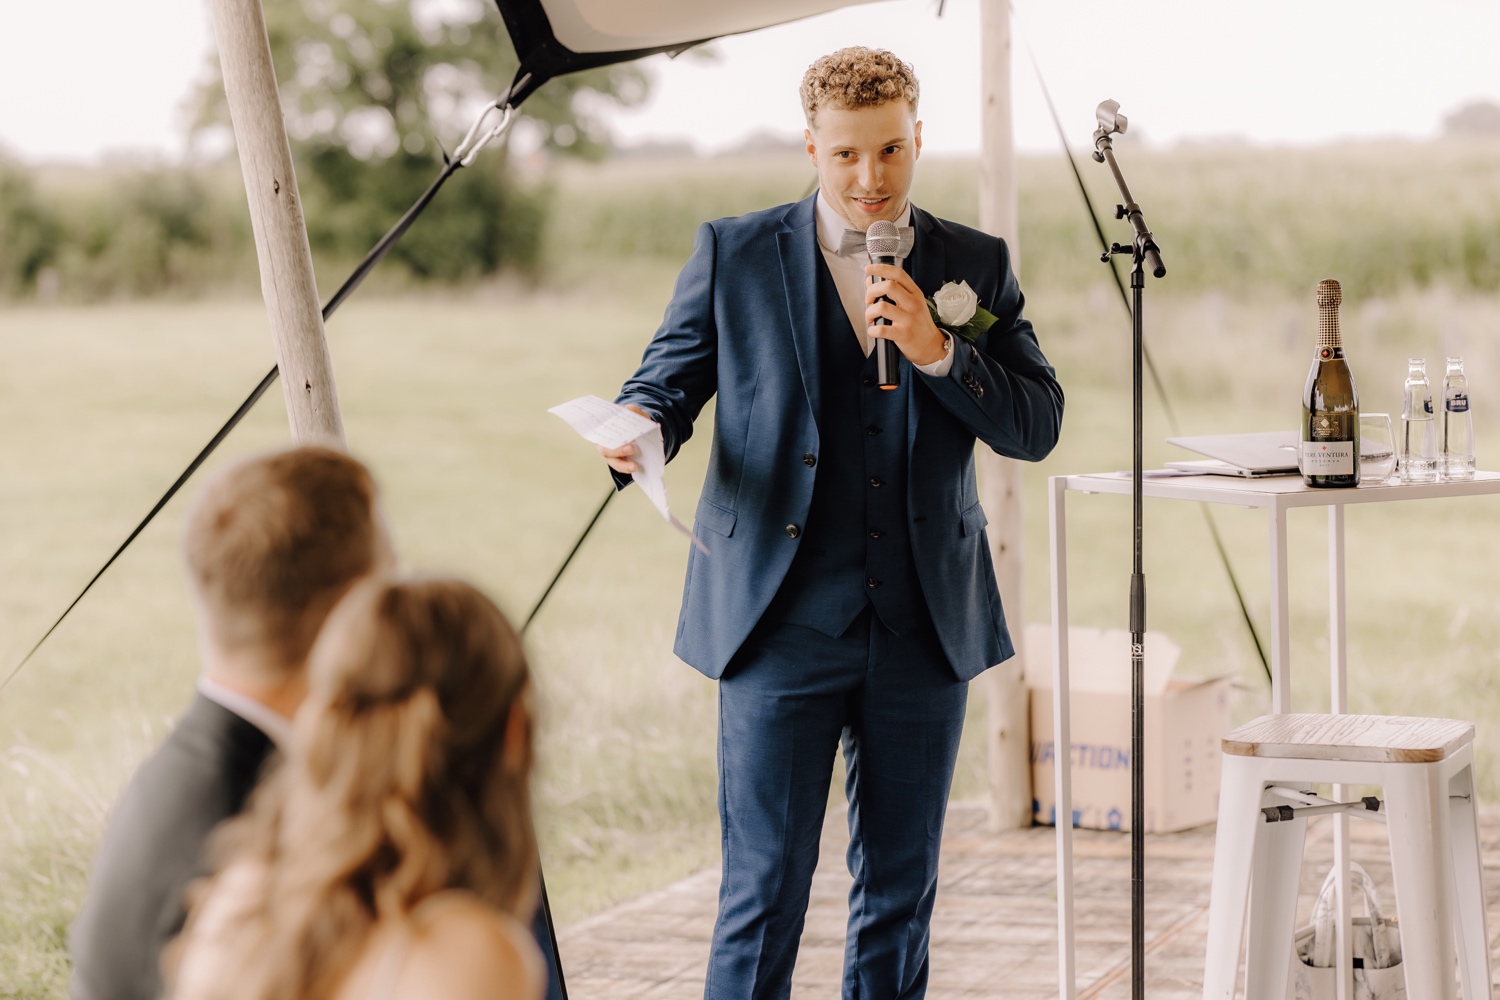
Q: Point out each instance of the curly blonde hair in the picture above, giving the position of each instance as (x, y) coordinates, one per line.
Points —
(857, 77)
(410, 775)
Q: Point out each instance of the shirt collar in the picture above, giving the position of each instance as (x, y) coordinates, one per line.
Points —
(831, 224)
(275, 725)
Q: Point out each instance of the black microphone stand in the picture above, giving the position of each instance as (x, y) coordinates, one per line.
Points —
(1142, 250)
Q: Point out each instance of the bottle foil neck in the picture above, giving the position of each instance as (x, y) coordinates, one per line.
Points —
(1328, 328)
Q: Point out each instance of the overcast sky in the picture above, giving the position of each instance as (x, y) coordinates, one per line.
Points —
(81, 78)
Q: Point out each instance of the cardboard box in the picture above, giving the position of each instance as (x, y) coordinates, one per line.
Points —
(1185, 721)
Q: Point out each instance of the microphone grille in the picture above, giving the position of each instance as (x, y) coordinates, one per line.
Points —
(883, 239)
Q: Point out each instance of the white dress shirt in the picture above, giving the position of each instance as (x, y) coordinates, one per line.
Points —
(275, 725)
(850, 279)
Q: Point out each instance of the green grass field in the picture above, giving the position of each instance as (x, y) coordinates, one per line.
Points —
(444, 394)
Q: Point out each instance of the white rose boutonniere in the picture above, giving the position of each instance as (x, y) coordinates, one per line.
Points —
(955, 303)
(955, 307)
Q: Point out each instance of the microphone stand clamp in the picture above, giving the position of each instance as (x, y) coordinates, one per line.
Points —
(1111, 122)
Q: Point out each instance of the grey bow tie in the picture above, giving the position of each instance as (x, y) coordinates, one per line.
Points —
(853, 241)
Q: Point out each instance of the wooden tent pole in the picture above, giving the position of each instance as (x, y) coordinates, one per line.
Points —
(1009, 727)
(286, 270)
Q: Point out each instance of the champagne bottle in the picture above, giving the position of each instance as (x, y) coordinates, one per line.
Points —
(1330, 406)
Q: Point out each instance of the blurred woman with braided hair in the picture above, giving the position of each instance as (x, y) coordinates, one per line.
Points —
(392, 854)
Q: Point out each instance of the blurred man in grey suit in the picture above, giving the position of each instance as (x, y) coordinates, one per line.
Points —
(271, 546)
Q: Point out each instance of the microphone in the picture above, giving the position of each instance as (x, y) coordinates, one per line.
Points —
(882, 242)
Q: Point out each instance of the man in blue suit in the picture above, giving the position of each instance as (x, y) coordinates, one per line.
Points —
(849, 597)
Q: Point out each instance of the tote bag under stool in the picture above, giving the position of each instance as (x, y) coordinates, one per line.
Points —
(1377, 948)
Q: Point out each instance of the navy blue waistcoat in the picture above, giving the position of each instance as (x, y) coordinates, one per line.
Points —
(855, 546)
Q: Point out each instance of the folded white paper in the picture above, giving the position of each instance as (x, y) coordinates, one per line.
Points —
(610, 425)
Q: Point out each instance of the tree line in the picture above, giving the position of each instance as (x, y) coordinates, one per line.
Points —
(373, 93)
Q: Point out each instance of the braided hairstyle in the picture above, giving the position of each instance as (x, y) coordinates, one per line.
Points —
(410, 776)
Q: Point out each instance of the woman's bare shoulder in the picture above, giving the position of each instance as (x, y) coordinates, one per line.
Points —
(468, 948)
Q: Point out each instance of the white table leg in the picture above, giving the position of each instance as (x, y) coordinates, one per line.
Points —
(1062, 739)
(1338, 643)
(1338, 676)
(1281, 646)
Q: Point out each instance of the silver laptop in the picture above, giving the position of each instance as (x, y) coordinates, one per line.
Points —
(1252, 456)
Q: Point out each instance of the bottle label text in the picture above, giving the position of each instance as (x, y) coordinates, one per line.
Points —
(1328, 458)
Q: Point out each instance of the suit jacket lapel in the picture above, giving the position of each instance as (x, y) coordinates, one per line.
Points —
(928, 258)
(926, 265)
(798, 245)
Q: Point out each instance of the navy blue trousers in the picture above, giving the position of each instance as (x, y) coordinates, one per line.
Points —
(789, 698)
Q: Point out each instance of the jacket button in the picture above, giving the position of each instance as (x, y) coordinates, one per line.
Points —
(792, 531)
(872, 430)
(876, 533)
(869, 380)
(809, 460)
(872, 583)
(876, 482)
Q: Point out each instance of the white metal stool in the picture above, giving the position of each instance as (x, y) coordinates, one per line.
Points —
(1426, 769)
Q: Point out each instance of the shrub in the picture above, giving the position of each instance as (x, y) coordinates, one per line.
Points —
(481, 221)
(30, 234)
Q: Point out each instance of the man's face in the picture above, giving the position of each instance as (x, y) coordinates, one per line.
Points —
(865, 159)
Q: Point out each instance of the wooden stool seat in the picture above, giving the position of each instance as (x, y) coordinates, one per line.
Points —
(1382, 739)
(1425, 770)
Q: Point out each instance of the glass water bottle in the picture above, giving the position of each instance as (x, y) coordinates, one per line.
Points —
(1456, 440)
(1418, 445)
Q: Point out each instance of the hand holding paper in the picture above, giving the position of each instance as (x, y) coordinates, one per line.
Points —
(612, 426)
(620, 459)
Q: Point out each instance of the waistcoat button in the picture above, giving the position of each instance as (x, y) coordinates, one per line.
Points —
(792, 531)
(876, 482)
(809, 460)
(872, 583)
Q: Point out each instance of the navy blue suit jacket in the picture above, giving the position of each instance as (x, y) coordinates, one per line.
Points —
(742, 323)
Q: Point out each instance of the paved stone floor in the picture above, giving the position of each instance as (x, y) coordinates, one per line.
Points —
(995, 927)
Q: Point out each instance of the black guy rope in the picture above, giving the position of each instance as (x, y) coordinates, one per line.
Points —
(555, 958)
(365, 267)
(568, 559)
(462, 157)
(451, 165)
(1161, 392)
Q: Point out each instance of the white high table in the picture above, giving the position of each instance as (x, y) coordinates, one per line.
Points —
(1276, 496)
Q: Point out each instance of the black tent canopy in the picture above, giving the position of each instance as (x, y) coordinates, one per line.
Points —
(554, 37)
